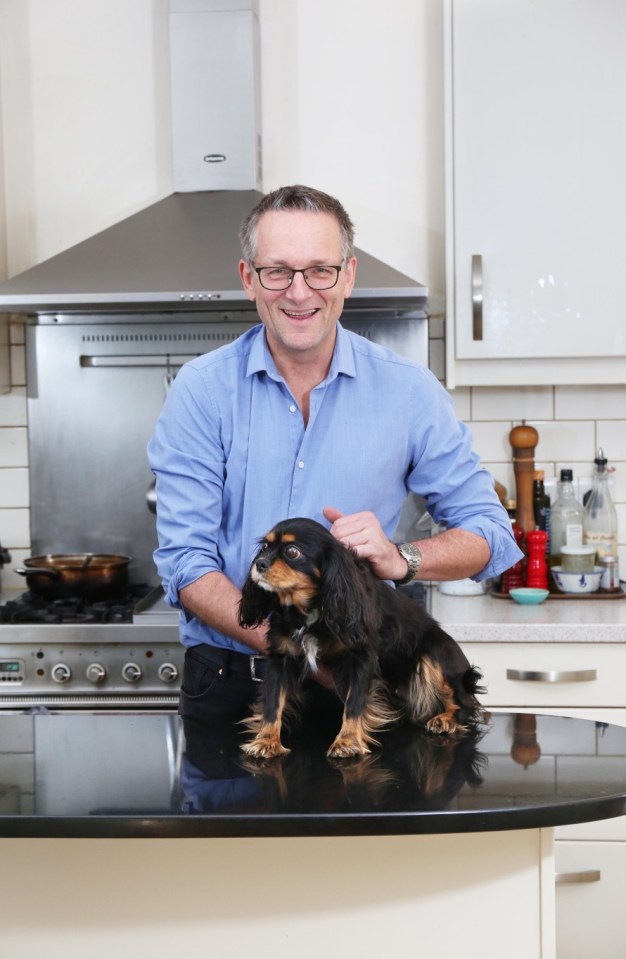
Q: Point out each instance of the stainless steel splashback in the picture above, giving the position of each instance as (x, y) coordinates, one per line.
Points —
(95, 388)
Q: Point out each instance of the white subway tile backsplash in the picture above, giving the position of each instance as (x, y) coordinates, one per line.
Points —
(18, 366)
(491, 440)
(611, 436)
(565, 439)
(461, 399)
(14, 489)
(516, 404)
(13, 447)
(580, 403)
(13, 407)
(14, 528)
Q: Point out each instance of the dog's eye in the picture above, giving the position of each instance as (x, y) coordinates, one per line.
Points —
(292, 552)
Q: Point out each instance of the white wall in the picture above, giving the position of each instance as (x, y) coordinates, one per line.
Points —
(85, 116)
(352, 103)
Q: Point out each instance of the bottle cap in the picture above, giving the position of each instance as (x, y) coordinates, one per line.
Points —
(600, 459)
(567, 476)
(539, 475)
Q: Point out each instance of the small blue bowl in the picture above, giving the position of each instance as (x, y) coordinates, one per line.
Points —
(529, 596)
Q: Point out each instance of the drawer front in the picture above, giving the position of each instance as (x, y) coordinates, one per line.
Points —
(589, 900)
(554, 675)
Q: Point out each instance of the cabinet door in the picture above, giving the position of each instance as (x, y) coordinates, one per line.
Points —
(590, 918)
(214, 91)
(536, 125)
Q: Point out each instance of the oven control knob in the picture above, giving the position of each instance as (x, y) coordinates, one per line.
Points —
(96, 673)
(168, 673)
(61, 673)
(131, 672)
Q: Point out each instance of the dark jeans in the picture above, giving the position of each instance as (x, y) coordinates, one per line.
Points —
(211, 692)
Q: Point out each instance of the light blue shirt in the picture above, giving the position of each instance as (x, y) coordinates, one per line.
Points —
(232, 457)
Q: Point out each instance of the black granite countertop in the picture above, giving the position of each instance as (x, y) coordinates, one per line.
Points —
(149, 775)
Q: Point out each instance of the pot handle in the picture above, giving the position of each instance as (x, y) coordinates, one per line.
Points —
(39, 570)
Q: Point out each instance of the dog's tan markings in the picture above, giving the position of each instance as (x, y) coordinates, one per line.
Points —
(288, 538)
(266, 743)
(271, 537)
(293, 588)
(357, 734)
(431, 699)
(434, 766)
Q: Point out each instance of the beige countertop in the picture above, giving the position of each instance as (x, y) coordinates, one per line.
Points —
(487, 619)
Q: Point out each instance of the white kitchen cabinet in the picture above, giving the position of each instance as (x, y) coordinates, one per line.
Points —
(215, 92)
(535, 191)
(571, 679)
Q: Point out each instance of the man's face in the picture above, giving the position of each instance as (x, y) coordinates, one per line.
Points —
(299, 320)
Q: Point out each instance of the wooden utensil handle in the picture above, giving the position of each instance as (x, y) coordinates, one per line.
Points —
(523, 440)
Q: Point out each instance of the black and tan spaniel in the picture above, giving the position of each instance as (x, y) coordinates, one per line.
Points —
(388, 659)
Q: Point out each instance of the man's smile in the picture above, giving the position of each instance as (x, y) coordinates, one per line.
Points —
(300, 314)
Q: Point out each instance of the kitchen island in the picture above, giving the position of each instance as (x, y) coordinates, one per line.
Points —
(427, 838)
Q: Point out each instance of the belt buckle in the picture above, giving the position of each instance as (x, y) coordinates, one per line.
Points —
(253, 675)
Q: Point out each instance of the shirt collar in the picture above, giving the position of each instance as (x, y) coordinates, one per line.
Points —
(260, 359)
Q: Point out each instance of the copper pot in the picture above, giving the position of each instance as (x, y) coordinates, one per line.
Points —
(89, 575)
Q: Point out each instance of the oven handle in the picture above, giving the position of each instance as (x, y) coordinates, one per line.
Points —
(165, 361)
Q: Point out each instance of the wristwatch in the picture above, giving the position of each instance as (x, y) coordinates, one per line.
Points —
(412, 555)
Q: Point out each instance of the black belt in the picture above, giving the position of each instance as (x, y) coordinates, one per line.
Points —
(251, 666)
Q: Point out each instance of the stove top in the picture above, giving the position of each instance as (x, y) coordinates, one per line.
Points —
(124, 652)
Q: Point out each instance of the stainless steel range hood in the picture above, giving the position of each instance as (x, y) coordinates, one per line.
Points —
(179, 254)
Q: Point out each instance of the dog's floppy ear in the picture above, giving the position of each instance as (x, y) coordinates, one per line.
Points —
(255, 605)
(345, 596)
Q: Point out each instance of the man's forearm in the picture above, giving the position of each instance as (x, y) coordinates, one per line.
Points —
(215, 600)
(452, 554)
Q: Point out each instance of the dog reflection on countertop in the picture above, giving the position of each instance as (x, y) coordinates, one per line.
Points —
(413, 771)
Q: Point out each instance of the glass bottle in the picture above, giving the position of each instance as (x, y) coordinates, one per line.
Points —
(600, 518)
(541, 506)
(566, 518)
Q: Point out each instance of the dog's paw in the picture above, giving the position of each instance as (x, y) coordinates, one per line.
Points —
(344, 747)
(443, 725)
(264, 748)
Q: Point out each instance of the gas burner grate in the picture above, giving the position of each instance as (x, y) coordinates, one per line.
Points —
(29, 608)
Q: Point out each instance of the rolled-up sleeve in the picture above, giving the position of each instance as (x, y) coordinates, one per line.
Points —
(187, 457)
(459, 493)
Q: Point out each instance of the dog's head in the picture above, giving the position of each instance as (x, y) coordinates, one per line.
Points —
(300, 564)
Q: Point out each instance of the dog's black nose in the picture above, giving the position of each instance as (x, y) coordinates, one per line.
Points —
(262, 564)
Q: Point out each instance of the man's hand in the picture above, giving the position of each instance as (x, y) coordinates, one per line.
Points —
(363, 533)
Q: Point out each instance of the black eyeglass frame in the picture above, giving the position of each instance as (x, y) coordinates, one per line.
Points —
(280, 289)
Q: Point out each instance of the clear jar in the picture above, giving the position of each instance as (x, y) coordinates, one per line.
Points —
(609, 581)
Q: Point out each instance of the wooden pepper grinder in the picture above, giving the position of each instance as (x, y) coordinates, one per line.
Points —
(524, 440)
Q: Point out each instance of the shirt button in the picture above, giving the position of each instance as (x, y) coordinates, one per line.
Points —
(301, 465)
(292, 408)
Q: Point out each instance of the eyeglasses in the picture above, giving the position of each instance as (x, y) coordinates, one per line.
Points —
(281, 277)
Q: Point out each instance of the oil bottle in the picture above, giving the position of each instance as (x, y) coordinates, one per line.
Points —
(600, 517)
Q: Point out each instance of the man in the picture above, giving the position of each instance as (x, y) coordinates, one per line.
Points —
(299, 417)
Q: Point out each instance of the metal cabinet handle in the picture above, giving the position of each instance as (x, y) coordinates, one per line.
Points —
(477, 297)
(214, 158)
(552, 676)
(570, 878)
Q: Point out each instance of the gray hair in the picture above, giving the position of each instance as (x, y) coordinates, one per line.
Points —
(296, 198)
